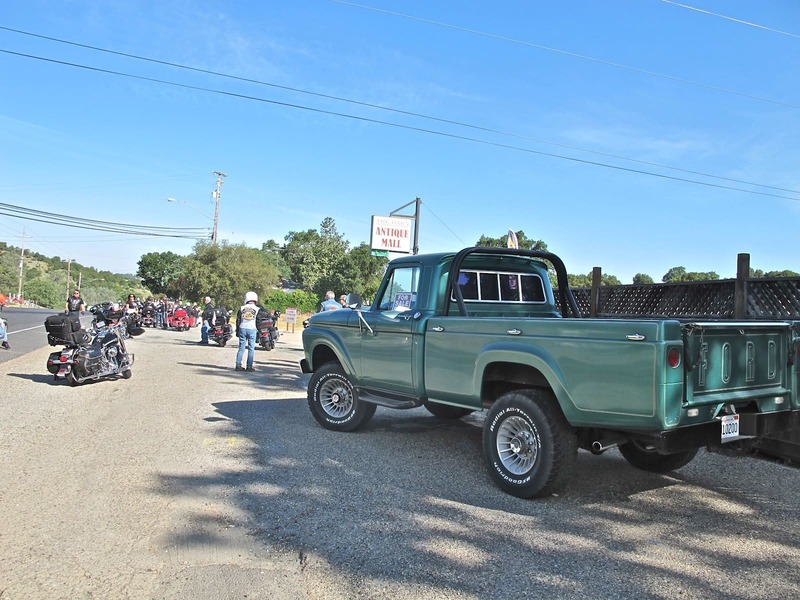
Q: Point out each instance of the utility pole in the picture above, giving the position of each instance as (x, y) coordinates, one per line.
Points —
(69, 263)
(216, 194)
(21, 260)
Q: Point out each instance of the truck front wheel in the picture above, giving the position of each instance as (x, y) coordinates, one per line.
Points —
(529, 446)
(333, 401)
(642, 457)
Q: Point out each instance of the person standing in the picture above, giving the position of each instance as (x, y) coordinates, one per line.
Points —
(4, 334)
(246, 330)
(208, 320)
(75, 305)
(330, 302)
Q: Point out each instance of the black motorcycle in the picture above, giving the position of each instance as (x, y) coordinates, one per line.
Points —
(268, 332)
(221, 331)
(90, 355)
(148, 315)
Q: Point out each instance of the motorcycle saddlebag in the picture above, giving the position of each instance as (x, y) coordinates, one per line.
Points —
(53, 362)
(63, 330)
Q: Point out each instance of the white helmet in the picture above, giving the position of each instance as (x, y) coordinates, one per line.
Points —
(250, 297)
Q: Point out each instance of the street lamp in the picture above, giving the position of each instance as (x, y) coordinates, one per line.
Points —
(213, 235)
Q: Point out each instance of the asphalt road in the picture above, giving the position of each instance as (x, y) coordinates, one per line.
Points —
(26, 330)
(191, 480)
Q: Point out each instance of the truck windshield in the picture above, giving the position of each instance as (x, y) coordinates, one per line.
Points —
(400, 293)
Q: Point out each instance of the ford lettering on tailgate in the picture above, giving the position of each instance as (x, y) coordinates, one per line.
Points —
(724, 359)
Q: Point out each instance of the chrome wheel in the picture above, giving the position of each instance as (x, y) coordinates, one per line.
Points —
(517, 445)
(336, 398)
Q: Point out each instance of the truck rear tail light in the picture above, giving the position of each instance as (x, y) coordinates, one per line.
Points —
(673, 357)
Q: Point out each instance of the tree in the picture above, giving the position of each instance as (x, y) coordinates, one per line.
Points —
(225, 272)
(585, 281)
(44, 293)
(758, 273)
(362, 272)
(502, 242)
(679, 274)
(317, 258)
(158, 269)
(642, 279)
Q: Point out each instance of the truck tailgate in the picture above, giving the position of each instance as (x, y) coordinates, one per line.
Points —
(736, 361)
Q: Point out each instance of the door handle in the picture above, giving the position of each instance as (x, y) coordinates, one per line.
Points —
(635, 337)
(514, 332)
(437, 329)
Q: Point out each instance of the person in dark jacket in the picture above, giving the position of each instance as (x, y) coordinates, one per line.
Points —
(208, 320)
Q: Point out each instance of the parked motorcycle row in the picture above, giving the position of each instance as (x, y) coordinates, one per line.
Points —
(100, 352)
(175, 317)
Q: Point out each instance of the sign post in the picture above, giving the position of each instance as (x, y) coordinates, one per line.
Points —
(290, 316)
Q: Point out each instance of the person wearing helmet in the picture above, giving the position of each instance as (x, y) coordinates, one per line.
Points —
(246, 330)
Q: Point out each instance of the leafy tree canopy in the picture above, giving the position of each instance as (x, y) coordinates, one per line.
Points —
(642, 279)
(157, 269)
(502, 242)
(678, 274)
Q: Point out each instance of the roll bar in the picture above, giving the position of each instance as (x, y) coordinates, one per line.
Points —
(566, 299)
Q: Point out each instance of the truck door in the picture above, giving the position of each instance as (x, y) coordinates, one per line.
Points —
(390, 351)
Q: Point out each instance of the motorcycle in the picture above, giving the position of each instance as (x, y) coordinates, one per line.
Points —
(89, 355)
(268, 332)
(148, 315)
(221, 331)
(178, 319)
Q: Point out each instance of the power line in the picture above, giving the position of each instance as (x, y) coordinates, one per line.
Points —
(399, 126)
(567, 53)
(28, 214)
(748, 23)
(395, 110)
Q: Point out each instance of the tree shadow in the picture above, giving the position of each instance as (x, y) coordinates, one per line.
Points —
(407, 500)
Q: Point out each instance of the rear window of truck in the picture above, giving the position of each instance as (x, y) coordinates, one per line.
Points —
(499, 286)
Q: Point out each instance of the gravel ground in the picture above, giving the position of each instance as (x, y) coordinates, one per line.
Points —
(191, 480)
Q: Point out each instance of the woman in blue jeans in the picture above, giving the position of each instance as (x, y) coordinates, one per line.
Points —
(246, 330)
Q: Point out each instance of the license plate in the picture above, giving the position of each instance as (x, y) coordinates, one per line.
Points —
(730, 427)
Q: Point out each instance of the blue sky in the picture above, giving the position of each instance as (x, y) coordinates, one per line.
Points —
(521, 103)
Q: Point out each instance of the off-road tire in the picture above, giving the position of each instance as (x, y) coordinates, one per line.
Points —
(529, 447)
(334, 402)
(647, 459)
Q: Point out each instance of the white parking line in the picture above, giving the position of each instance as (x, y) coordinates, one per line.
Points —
(21, 330)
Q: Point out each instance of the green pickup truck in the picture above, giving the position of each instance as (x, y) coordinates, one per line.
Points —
(482, 329)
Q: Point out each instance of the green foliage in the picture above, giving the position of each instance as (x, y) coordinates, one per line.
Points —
(158, 269)
(679, 274)
(322, 260)
(274, 254)
(317, 257)
(302, 301)
(758, 273)
(44, 293)
(225, 272)
(642, 279)
(585, 281)
(502, 242)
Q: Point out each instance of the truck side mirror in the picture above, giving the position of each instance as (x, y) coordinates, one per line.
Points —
(353, 300)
